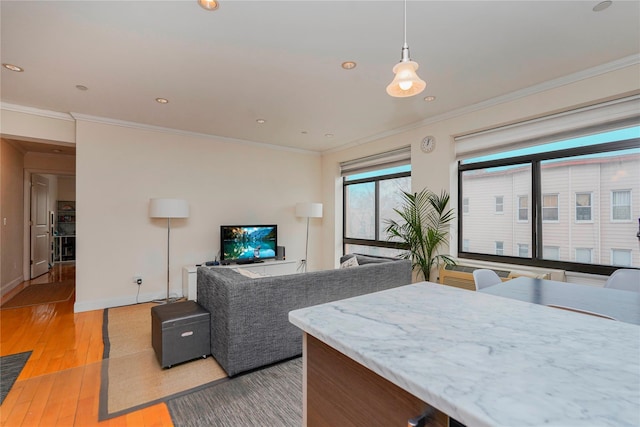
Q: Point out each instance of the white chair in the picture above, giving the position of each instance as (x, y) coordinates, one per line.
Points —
(484, 278)
(625, 279)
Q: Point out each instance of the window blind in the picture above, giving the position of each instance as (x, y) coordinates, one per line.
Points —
(584, 121)
(389, 159)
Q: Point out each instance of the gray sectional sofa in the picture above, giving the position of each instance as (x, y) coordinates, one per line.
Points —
(249, 317)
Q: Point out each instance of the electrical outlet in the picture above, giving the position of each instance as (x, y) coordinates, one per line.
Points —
(137, 280)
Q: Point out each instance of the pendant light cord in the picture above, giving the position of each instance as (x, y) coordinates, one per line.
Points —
(405, 22)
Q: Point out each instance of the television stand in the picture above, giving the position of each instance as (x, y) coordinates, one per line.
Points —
(249, 261)
(265, 267)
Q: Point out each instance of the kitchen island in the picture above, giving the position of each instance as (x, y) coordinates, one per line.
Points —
(480, 359)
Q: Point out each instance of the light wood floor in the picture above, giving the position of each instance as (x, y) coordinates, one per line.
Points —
(60, 384)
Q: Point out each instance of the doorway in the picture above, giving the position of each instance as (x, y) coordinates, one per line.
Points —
(60, 217)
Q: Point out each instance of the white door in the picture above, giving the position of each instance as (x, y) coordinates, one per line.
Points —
(40, 236)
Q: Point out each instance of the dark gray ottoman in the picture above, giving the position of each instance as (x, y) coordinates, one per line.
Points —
(179, 332)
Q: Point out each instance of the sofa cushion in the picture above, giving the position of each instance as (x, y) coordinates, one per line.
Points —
(350, 262)
(366, 259)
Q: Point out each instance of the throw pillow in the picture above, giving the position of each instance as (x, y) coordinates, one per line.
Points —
(248, 273)
(351, 262)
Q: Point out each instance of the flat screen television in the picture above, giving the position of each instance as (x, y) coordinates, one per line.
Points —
(248, 242)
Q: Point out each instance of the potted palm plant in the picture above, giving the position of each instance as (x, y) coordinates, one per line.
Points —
(423, 227)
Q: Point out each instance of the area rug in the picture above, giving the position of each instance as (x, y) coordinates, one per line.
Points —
(10, 368)
(132, 378)
(267, 397)
(42, 294)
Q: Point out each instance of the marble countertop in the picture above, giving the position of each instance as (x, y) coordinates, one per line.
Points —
(486, 360)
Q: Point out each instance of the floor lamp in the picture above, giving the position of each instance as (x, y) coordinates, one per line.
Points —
(168, 208)
(308, 210)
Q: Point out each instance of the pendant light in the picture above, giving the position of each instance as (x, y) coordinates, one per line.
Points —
(406, 82)
(208, 4)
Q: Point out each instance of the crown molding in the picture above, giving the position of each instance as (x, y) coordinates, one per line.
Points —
(36, 111)
(160, 129)
(73, 117)
(528, 91)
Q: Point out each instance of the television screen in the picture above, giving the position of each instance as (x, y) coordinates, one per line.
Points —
(241, 242)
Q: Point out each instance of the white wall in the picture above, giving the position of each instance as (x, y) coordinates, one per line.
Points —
(120, 168)
(66, 188)
(438, 169)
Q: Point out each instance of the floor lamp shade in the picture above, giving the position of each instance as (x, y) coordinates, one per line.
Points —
(168, 208)
(309, 210)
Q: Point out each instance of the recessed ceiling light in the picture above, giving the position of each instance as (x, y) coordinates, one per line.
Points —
(162, 100)
(13, 68)
(429, 98)
(328, 135)
(261, 121)
(349, 65)
(602, 6)
(208, 4)
(81, 87)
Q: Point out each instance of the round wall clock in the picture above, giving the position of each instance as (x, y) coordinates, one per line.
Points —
(428, 144)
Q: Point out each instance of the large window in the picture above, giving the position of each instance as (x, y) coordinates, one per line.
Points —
(568, 204)
(488, 232)
(372, 190)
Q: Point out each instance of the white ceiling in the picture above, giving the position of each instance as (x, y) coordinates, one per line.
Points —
(280, 60)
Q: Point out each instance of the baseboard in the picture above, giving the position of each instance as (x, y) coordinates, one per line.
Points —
(81, 306)
(8, 287)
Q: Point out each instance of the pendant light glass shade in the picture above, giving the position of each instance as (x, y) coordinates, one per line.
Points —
(208, 4)
(406, 82)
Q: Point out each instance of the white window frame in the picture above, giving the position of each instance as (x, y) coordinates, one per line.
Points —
(523, 221)
(501, 250)
(465, 205)
(627, 251)
(629, 205)
(575, 255)
(557, 207)
(575, 199)
(500, 204)
(547, 248)
(522, 246)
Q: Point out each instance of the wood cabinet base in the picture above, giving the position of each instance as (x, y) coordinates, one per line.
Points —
(338, 391)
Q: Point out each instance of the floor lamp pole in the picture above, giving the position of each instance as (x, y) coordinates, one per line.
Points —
(168, 247)
(306, 249)
(168, 208)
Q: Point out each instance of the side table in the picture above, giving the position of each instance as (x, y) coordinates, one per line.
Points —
(180, 332)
